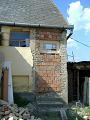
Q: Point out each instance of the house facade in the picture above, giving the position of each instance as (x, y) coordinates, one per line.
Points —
(33, 40)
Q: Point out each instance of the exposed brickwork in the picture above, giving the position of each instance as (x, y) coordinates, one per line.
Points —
(45, 34)
(47, 75)
(5, 85)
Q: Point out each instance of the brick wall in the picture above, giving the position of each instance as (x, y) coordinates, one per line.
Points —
(47, 73)
(48, 34)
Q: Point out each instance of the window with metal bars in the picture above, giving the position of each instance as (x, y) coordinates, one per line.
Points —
(19, 39)
(49, 46)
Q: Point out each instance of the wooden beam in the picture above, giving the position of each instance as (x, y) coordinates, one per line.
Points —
(77, 84)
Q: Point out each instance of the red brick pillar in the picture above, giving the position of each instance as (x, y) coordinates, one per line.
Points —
(5, 85)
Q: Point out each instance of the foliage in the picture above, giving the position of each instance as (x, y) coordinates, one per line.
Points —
(71, 115)
(87, 110)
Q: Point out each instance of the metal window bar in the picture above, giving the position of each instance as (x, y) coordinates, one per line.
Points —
(20, 43)
(49, 46)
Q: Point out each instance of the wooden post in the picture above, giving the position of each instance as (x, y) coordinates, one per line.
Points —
(74, 85)
(89, 91)
(77, 84)
(86, 91)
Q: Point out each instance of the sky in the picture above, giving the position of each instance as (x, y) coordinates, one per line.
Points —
(77, 13)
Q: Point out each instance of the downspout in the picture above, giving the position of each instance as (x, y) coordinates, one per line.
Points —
(71, 31)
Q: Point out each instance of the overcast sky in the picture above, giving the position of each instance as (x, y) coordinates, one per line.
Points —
(78, 14)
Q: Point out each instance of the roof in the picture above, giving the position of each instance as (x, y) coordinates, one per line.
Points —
(31, 12)
(79, 65)
(80, 62)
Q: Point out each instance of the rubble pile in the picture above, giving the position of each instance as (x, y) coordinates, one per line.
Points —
(13, 112)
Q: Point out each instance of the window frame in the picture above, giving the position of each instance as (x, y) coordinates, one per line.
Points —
(42, 50)
(49, 46)
(27, 44)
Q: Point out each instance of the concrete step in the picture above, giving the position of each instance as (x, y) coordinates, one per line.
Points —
(49, 109)
(48, 99)
(50, 115)
(50, 103)
(50, 106)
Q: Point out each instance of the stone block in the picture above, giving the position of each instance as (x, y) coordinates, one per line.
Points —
(11, 118)
(26, 116)
(32, 117)
(21, 111)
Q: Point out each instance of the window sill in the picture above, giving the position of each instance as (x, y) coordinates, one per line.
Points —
(50, 51)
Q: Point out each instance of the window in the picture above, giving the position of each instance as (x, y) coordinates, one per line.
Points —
(19, 39)
(49, 46)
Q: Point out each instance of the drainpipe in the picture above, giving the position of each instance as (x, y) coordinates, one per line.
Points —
(71, 27)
